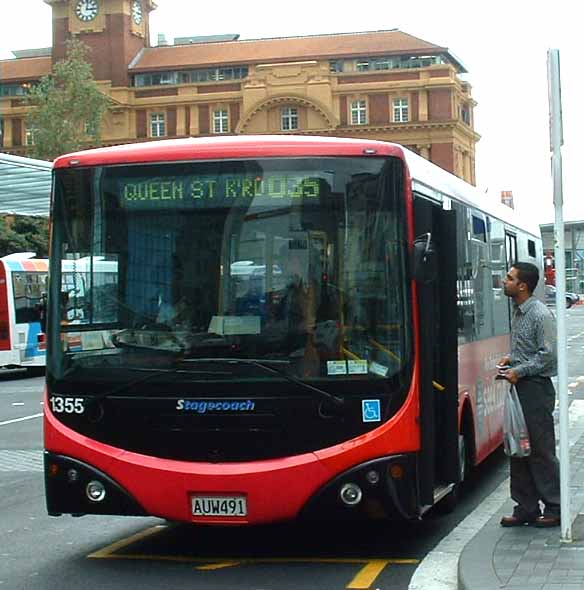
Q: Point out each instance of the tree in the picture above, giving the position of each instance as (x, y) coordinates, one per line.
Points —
(20, 233)
(67, 106)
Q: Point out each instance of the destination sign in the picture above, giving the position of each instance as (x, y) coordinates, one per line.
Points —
(215, 191)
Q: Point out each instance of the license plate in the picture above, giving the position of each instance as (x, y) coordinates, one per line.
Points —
(219, 505)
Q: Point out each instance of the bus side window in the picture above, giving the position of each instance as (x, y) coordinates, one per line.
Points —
(464, 284)
(498, 272)
(481, 272)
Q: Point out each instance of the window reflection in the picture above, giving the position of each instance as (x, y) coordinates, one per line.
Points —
(297, 260)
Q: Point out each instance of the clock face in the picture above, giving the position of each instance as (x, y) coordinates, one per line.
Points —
(86, 10)
(137, 11)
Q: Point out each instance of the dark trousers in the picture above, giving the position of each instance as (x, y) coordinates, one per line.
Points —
(537, 477)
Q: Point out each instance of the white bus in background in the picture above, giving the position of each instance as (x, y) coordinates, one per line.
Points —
(23, 285)
(23, 289)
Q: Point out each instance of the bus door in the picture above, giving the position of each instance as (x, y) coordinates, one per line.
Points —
(439, 457)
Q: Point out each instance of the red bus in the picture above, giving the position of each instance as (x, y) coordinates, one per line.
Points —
(23, 288)
(297, 327)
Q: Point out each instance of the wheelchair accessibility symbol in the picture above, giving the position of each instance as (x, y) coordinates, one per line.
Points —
(371, 410)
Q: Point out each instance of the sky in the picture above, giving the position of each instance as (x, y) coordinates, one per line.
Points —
(502, 43)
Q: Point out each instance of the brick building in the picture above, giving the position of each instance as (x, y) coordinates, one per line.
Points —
(384, 85)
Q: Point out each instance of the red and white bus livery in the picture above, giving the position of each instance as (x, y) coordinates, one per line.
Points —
(290, 327)
(23, 286)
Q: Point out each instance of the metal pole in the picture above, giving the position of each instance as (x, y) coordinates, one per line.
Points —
(556, 141)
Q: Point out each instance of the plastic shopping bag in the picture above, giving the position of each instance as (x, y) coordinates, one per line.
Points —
(516, 436)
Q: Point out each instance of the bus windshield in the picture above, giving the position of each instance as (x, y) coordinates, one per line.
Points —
(295, 261)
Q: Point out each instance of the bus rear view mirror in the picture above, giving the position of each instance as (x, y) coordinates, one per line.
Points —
(425, 263)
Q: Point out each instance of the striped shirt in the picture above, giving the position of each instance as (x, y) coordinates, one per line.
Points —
(533, 340)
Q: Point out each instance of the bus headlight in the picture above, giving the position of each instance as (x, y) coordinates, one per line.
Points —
(95, 491)
(351, 494)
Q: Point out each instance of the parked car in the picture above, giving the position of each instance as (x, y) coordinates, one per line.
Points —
(550, 296)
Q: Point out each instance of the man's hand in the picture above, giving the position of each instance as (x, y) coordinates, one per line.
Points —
(504, 362)
(509, 374)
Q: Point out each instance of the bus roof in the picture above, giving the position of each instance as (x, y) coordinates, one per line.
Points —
(240, 146)
(436, 182)
(20, 262)
(429, 178)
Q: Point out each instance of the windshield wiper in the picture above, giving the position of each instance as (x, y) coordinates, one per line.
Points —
(152, 373)
(266, 365)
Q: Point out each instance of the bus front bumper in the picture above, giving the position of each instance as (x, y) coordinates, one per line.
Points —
(380, 488)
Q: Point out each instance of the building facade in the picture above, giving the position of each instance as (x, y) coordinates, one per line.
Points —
(384, 85)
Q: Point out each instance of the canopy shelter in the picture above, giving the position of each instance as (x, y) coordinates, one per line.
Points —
(25, 185)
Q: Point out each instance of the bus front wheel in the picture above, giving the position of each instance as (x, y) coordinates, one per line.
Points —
(450, 501)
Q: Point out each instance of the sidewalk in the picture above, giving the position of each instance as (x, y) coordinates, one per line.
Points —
(529, 558)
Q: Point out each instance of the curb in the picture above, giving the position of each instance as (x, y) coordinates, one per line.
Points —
(513, 555)
(472, 563)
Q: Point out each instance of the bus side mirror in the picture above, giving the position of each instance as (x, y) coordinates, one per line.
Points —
(425, 262)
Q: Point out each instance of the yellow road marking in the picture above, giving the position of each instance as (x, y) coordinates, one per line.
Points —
(362, 581)
(217, 566)
(106, 554)
(368, 574)
(252, 561)
(107, 551)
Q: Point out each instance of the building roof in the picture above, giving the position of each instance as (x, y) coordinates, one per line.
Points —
(25, 185)
(286, 49)
(39, 52)
(205, 39)
(577, 224)
(213, 51)
(30, 68)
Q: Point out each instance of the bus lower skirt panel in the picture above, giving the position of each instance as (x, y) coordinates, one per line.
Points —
(74, 487)
(383, 488)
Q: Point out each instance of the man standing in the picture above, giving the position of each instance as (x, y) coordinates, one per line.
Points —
(535, 480)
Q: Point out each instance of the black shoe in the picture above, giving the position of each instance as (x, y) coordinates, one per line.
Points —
(547, 521)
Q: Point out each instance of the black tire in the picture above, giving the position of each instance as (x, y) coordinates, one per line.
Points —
(568, 303)
(450, 501)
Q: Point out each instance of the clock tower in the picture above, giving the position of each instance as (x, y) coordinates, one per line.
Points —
(114, 30)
